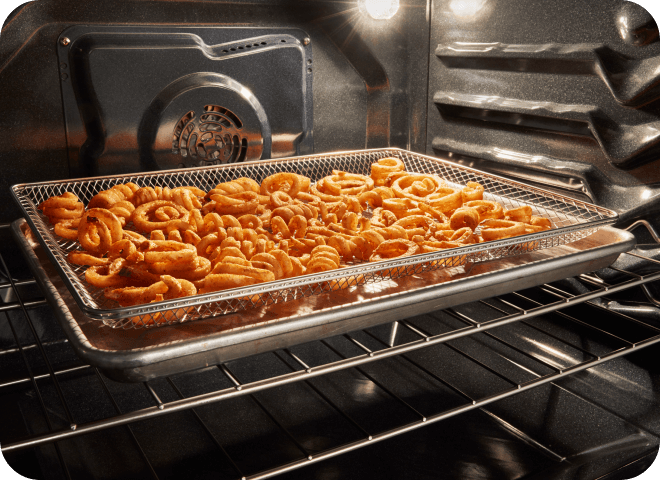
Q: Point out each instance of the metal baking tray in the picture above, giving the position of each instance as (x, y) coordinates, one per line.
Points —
(572, 220)
(140, 355)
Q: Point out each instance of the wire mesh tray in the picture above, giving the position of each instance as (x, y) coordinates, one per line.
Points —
(572, 219)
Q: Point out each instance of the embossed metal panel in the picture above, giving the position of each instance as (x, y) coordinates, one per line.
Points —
(560, 93)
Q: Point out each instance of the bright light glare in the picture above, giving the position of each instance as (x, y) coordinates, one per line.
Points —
(466, 8)
(379, 9)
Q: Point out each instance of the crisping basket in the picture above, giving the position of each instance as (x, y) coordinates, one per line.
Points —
(571, 218)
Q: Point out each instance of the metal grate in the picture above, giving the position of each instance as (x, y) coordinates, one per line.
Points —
(358, 352)
(571, 218)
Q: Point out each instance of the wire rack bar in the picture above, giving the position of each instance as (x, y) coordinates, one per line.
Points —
(40, 346)
(450, 413)
(413, 329)
(25, 304)
(598, 282)
(359, 345)
(632, 274)
(648, 227)
(45, 375)
(231, 378)
(207, 430)
(130, 430)
(34, 345)
(323, 395)
(295, 358)
(644, 258)
(650, 296)
(249, 388)
(151, 391)
(18, 283)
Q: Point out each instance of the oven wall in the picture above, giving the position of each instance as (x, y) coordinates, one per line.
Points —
(369, 77)
(562, 94)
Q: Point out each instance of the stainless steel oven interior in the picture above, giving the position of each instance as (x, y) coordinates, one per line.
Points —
(549, 371)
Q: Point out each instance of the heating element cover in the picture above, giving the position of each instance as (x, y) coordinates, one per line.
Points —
(183, 97)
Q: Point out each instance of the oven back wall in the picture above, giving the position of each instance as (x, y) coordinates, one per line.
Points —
(192, 96)
(369, 82)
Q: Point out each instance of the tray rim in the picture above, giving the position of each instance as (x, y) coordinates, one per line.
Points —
(104, 314)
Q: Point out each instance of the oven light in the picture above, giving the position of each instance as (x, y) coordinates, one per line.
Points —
(467, 9)
(379, 9)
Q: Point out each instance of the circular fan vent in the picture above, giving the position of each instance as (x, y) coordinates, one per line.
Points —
(203, 119)
(213, 138)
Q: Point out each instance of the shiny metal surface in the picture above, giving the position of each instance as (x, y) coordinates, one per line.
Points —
(634, 83)
(140, 356)
(193, 96)
(372, 89)
(367, 90)
(582, 119)
(636, 25)
(374, 74)
(562, 101)
(464, 365)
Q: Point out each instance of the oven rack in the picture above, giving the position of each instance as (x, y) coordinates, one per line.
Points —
(572, 220)
(356, 351)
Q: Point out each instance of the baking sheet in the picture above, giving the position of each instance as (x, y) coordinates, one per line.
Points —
(140, 355)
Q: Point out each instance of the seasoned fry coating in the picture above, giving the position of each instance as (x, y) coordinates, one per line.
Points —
(145, 244)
